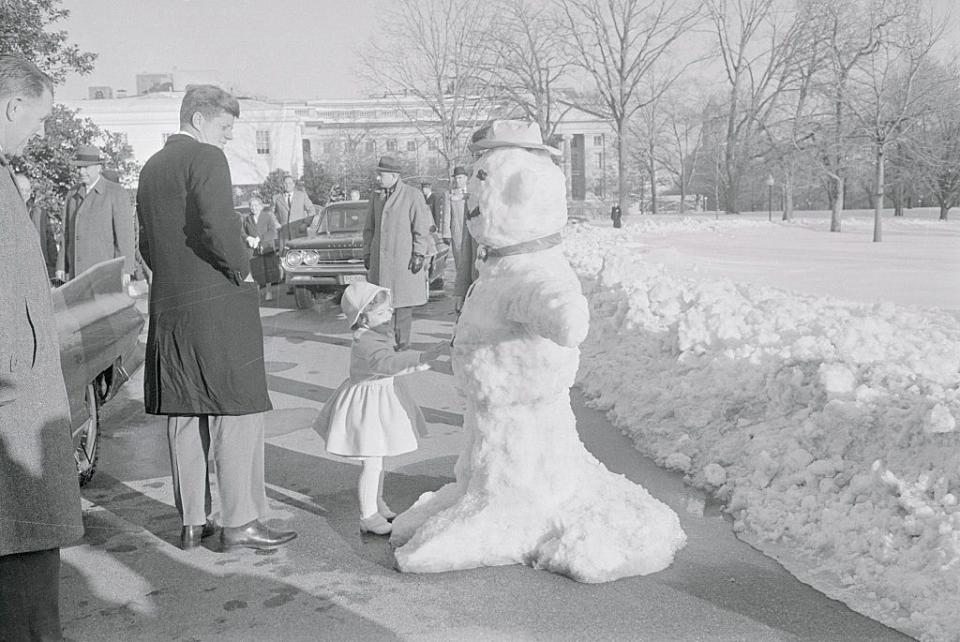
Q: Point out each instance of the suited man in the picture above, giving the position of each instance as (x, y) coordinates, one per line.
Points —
(396, 242)
(39, 493)
(293, 204)
(204, 364)
(435, 202)
(97, 220)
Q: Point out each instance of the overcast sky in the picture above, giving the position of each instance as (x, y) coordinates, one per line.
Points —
(279, 49)
(275, 48)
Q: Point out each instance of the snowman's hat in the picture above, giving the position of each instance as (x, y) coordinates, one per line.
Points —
(510, 133)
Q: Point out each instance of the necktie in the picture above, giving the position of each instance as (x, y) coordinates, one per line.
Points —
(289, 201)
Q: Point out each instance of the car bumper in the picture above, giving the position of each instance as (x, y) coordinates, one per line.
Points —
(319, 275)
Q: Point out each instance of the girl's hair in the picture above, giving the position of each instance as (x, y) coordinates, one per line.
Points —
(378, 299)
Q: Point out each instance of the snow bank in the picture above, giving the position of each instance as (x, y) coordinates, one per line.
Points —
(829, 428)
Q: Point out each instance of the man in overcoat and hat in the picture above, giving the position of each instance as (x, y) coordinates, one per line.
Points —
(396, 244)
(97, 220)
(204, 366)
(39, 493)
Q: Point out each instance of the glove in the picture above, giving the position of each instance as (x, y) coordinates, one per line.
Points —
(416, 263)
(366, 262)
(457, 304)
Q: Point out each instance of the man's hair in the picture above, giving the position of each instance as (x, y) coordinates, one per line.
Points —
(20, 76)
(209, 100)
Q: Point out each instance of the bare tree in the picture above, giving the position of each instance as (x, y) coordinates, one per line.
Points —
(889, 96)
(527, 59)
(617, 42)
(933, 149)
(431, 50)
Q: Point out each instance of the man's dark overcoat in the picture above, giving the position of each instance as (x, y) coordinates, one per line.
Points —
(205, 342)
(396, 228)
(39, 493)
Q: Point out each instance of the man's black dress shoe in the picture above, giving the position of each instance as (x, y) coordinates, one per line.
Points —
(253, 535)
(190, 536)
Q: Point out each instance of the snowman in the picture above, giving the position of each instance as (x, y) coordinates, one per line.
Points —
(526, 489)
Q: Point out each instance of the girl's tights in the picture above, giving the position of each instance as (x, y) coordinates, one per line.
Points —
(370, 486)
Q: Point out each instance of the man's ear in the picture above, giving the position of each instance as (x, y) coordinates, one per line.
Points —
(196, 120)
(10, 108)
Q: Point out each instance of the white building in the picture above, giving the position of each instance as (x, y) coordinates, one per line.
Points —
(266, 137)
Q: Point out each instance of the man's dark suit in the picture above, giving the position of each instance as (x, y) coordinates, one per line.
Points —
(205, 342)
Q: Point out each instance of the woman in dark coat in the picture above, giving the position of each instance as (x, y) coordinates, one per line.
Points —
(260, 230)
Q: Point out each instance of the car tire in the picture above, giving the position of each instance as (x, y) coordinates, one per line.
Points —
(304, 297)
(86, 440)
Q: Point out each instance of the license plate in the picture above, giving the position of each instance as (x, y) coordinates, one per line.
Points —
(354, 278)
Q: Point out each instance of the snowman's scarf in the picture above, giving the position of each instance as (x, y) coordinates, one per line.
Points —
(536, 245)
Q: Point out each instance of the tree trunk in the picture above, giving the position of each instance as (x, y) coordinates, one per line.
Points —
(787, 192)
(652, 173)
(837, 205)
(943, 212)
(878, 197)
(622, 189)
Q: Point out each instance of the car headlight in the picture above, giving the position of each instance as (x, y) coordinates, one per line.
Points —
(293, 258)
(310, 257)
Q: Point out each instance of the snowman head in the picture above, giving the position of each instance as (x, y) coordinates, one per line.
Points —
(516, 193)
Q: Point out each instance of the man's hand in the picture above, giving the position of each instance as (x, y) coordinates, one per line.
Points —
(366, 262)
(253, 242)
(416, 263)
(60, 276)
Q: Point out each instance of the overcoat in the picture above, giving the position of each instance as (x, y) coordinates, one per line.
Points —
(39, 493)
(300, 206)
(264, 262)
(205, 342)
(396, 228)
(97, 228)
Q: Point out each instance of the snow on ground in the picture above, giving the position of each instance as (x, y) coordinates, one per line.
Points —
(808, 379)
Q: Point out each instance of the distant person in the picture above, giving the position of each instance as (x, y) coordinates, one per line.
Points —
(354, 195)
(616, 215)
(441, 223)
(396, 243)
(260, 234)
(293, 203)
(97, 220)
(39, 492)
(372, 414)
(204, 366)
(40, 220)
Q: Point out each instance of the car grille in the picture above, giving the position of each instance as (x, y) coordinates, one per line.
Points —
(309, 258)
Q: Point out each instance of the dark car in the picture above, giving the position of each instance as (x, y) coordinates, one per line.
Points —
(98, 328)
(325, 251)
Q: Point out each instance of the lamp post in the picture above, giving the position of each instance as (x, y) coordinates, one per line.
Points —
(770, 184)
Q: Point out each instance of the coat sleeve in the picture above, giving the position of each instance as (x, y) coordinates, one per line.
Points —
(123, 228)
(384, 360)
(446, 232)
(420, 221)
(143, 245)
(466, 260)
(369, 226)
(61, 255)
(210, 185)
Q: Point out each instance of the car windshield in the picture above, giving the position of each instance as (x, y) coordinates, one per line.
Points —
(342, 220)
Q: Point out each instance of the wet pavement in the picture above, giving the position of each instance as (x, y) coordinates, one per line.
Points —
(128, 580)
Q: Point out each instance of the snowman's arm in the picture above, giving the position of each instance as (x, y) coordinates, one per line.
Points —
(551, 309)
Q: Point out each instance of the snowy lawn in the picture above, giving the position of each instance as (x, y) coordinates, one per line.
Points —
(808, 379)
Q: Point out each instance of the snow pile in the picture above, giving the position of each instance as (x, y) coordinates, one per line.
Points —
(829, 428)
(526, 489)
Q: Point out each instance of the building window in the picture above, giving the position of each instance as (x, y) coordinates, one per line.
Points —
(598, 160)
(598, 141)
(411, 145)
(263, 141)
(432, 144)
(391, 145)
(306, 147)
(370, 146)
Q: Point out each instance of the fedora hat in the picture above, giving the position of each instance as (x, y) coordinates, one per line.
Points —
(356, 297)
(87, 155)
(510, 133)
(389, 164)
(460, 170)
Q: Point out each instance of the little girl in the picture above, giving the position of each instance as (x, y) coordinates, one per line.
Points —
(372, 415)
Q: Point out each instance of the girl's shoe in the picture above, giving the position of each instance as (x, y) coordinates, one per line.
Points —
(384, 510)
(376, 524)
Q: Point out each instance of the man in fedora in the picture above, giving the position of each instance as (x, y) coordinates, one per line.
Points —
(97, 220)
(396, 242)
(461, 243)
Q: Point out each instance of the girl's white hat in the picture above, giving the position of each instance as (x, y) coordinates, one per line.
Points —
(356, 297)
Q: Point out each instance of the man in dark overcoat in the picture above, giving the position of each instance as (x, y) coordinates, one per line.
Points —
(39, 492)
(396, 242)
(97, 220)
(204, 364)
